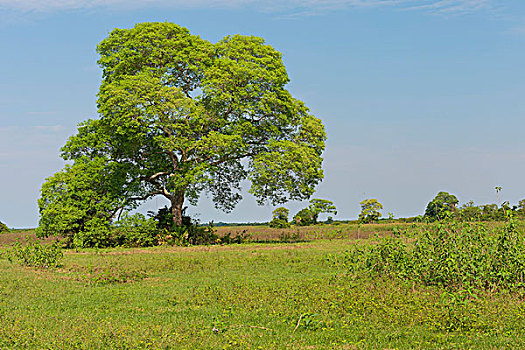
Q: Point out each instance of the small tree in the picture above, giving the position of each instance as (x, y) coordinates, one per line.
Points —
(443, 202)
(521, 208)
(370, 210)
(280, 218)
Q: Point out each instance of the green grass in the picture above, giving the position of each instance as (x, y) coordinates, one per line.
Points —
(267, 296)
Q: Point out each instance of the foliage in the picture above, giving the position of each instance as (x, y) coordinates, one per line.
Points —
(321, 206)
(442, 204)
(304, 217)
(79, 202)
(136, 231)
(521, 208)
(370, 210)
(280, 218)
(194, 234)
(164, 219)
(187, 233)
(3, 227)
(35, 254)
(469, 212)
(452, 255)
(308, 216)
(230, 238)
(486, 212)
(180, 115)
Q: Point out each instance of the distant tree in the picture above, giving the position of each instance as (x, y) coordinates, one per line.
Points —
(321, 206)
(498, 190)
(3, 227)
(304, 217)
(329, 220)
(443, 202)
(280, 218)
(370, 210)
(521, 208)
(309, 216)
(489, 212)
(469, 212)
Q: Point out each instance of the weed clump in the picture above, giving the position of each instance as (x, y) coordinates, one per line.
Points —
(35, 254)
(450, 254)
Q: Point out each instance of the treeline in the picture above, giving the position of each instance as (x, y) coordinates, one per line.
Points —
(445, 205)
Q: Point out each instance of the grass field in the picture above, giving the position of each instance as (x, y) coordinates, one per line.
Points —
(247, 296)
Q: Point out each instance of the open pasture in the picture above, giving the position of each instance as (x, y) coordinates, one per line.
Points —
(247, 296)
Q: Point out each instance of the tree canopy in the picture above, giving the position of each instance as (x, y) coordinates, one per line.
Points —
(179, 116)
(280, 218)
(438, 207)
(370, 210)
(308, 216)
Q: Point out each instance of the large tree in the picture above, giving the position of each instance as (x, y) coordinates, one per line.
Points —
(183, 116)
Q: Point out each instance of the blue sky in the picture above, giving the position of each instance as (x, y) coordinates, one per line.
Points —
(417, 96)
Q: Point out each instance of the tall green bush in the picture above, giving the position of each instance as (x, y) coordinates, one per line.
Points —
(450, 254)
(36, 254)
(136, 231)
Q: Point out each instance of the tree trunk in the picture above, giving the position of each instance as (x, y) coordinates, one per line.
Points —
(176, 208)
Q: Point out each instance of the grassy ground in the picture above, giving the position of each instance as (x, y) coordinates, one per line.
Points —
(249, 296)
(309, 233)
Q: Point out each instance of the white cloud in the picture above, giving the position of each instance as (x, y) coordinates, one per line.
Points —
(441, 6)
(452, 6)
(49, 128)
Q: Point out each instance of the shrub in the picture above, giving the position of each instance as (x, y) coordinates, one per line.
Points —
(452, 255)
(136, 231)
(189, 233)
(36, 254)
(96, 233)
